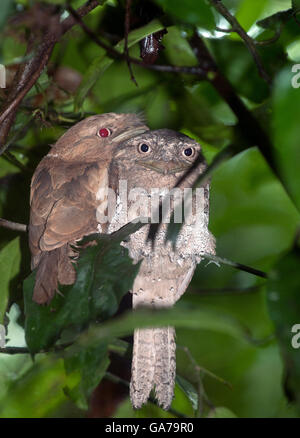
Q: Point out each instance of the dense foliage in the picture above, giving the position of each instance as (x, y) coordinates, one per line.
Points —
(228, 78)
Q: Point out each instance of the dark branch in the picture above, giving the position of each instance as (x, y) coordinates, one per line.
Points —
(236, 27)
(29, 72)
(115, 54)
(13, 225)
(239, 266)
(250, 128)
(126, 33)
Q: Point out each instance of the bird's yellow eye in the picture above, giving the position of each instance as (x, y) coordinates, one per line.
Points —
(104, 132)
(188, 152)
(144, 148)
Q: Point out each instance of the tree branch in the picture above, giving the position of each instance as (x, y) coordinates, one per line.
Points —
(30, 71)
(113, 53)
(239, 266)
(13, 225)
(250, 128)
(126, 32)
(236, 27)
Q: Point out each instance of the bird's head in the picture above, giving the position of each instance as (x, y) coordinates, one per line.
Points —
(96, 137)
(163, 151)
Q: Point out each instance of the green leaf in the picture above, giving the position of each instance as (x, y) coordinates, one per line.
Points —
(188, 390)
(102, 62)
(284, 307)
(274, 21)
(178, 50)
(286, 129)
(104, 274)
(249, 11)
(10, 258)
(91, 364)
(296, 5)
(37, 391)
(196, 12)
(221, 412)
(179, 316)
(40, 86)
(6, 8)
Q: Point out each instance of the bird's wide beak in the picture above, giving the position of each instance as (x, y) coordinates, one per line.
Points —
(164, 167)
(130, 133)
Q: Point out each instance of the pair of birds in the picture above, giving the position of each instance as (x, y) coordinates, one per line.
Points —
(68, 195)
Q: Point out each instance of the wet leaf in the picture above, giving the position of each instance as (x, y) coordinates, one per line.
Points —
(102, 62)
(274, 21)
(189, 390)
(179, 316)
(221, 412)
(197, 12)
(286, 129)
(284, 307)
(10, 258)
(95, 295)
(90, 363)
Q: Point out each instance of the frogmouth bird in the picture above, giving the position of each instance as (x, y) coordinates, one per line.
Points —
(69, 199)
(151, 165)
(64, 201)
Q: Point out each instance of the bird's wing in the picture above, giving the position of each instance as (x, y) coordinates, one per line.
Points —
(63, 204)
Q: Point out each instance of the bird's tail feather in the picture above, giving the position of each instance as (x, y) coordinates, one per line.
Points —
(153, 366)
(165, 365)
(46, 277)
(54, 267)
(143, 366)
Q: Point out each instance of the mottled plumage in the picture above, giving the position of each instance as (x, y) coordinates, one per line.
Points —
(66, 205)
(64, 202)
(165, 273)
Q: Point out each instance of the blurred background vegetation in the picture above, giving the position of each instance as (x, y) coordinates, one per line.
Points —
(235, 357)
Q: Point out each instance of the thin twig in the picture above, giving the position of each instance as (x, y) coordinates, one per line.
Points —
(217, 260)
(115, 54)
(200, 388)
(199, 368)
(126, 33)
(13, 225)
(249, 127)
(12, 159)
(14, 350)
(270, 40)
(19, 134)
(29, 72)
(257, 42)
(236, 27)
(25, 350)
(226, 291)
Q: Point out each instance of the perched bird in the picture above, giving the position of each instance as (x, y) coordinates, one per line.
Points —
(69, 199)
(150, 165)
(64, 201)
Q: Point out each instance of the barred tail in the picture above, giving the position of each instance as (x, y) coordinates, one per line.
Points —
(153, 366)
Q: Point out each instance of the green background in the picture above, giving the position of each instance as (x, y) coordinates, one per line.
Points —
(235, 325)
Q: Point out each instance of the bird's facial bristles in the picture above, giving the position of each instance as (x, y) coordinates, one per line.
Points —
(129, 133)
(165, 168)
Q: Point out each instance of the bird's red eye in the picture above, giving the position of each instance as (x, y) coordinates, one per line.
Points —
(104, 132)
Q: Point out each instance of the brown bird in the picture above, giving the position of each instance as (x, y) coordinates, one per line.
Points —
(64, 196)
(150, 165)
